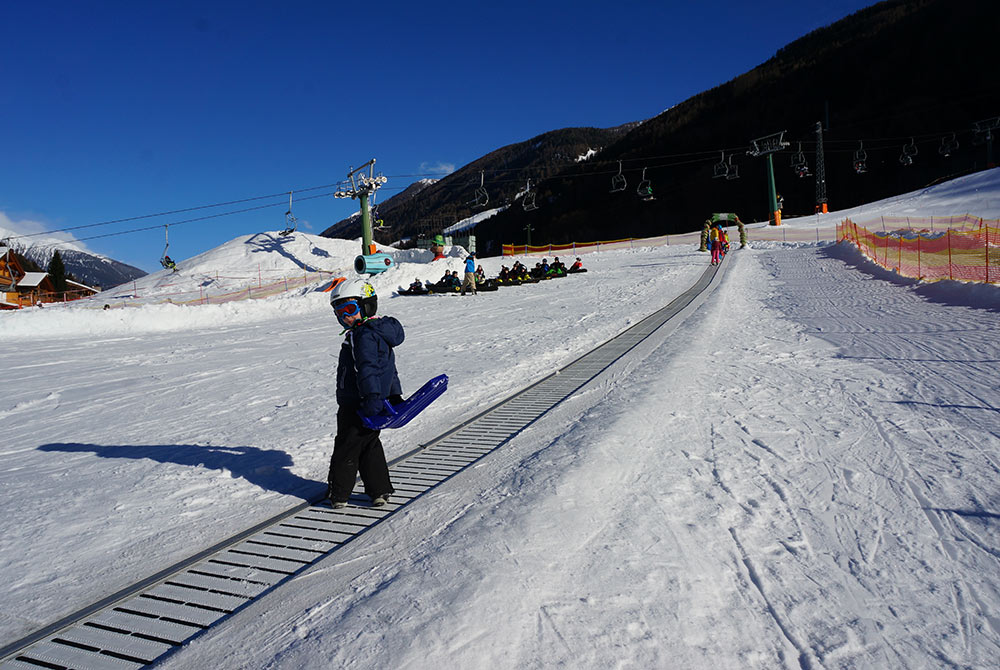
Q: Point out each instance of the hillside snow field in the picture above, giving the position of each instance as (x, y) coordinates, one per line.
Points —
(803, 474)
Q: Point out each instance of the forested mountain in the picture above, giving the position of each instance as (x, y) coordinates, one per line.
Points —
(915, 73)
(438, 204)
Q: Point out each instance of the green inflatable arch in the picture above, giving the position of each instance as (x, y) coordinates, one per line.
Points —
(717, 218)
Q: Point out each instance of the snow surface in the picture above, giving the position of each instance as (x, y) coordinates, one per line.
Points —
(804, 474)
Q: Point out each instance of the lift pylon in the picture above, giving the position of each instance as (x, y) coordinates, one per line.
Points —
(362, 186)
(767, 146)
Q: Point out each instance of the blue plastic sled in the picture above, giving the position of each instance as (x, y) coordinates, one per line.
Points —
(397, 416)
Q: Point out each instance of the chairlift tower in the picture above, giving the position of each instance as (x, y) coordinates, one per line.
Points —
(362, 187)
(767, 146)
(821, 203)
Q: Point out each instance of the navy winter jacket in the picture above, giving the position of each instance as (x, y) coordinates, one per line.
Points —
(366, 370)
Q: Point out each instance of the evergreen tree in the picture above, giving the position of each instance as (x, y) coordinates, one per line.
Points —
(58, 272)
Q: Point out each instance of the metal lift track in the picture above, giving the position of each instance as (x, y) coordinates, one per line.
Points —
(143, 623)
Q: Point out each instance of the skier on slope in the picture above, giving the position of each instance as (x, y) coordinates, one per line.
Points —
(366, 376)
(470, 275)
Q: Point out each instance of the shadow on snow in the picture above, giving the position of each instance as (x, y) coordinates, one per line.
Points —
(265, 468)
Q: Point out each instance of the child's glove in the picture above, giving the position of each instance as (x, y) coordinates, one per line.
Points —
(371, 405)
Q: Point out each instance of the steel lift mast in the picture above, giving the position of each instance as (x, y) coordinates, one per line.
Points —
(362, 187)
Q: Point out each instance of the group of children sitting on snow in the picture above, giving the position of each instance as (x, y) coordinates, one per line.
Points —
(541, 270)
(513, 275)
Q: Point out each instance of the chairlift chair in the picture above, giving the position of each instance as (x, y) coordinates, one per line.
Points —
(799, 163)
(290, 221)
(982, 131)
(528, 202)
(482, 197)
(860, 159)
(618, 182)
(909, 151)
(165, 260)
(948, 145)
(720, 169)
(377, 222)
(732, 169)
(645, 188)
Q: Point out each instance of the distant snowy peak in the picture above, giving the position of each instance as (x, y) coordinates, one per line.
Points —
(89, 268)
(40, 243)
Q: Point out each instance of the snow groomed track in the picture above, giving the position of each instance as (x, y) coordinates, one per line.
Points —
(152, 618)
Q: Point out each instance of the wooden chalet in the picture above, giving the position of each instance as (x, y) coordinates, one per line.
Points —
(10, 272)
(23, 289)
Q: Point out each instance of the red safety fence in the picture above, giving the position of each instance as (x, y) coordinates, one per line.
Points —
(244, 287)
(969, 253)
(574, 248)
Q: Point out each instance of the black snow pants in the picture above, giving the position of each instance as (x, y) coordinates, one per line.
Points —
(357, 448)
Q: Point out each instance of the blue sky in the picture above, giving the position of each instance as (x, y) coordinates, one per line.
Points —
(123, 109)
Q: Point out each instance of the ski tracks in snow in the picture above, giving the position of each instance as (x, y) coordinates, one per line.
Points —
(913, 486)
(769, 512)
(803, 513)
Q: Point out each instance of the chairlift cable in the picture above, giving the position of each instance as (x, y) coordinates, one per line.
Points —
(175, 211)
(200, 218)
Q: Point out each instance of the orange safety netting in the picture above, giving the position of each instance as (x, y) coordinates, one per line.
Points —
(971, 253)
(579, 247)
(202, 296)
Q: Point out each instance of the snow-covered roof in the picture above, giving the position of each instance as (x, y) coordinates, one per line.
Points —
(3, 251)
(31, 279)
(470, 222)
(70, 282)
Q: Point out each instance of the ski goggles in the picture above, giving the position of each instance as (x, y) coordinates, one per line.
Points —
(347, 308)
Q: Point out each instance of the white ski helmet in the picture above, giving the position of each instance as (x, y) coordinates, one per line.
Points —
(358, 289)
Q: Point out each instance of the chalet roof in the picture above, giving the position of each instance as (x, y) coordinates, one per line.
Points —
(71, 283)
(31, 279)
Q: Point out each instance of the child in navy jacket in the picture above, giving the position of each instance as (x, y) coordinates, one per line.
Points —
(366, 376)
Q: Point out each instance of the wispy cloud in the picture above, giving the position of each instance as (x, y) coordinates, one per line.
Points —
(436, 168)
(38, 232)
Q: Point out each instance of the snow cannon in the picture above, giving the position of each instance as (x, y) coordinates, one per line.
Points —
(372, 264)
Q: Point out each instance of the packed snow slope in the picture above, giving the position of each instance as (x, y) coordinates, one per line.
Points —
(803, 474)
